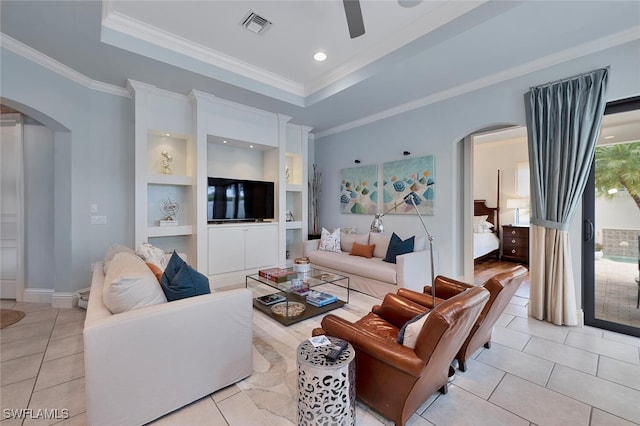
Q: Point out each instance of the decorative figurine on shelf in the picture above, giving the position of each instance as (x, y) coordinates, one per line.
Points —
(165, 162)
(169, 209)
(287, 174)
(289, 216)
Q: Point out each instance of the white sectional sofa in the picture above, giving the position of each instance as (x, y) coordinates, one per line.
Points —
(374, 276)
(147, 362)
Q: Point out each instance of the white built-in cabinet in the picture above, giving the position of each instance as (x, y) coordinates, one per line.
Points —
(207, 136)
(163, 124)
(296, 202)
(241, 247)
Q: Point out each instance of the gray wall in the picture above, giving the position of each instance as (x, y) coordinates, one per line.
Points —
(39, 204)
(93, 162)
(436, 130)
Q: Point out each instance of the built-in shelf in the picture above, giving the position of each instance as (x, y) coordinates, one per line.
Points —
(296, 224)
(169, 231)
(292, 187)
(170, 180)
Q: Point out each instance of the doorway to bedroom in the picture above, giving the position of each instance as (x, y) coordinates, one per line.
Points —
(501, 182)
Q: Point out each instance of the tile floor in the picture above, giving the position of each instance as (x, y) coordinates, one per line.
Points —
(617, 292)
(534, 374)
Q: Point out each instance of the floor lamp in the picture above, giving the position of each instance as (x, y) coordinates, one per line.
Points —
(377, 225)
(409, 197)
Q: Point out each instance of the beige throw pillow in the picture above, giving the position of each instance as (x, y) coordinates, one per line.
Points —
(347, 240)
(412, 331)
(381, 241)
(130, 284)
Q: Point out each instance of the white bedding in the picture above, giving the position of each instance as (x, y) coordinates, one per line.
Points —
(484, 243)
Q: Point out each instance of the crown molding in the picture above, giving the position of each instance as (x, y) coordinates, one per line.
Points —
(43, 60)
(439, 16)
(566, 55)
(134, 86)
(132, 27)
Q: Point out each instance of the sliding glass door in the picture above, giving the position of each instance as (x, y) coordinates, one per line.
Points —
(611, 212)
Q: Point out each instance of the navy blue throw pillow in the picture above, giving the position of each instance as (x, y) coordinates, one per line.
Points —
(180, 280)
(398, 247)
(400, 338)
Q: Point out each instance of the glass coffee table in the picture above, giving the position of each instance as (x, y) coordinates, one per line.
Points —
(288, 304)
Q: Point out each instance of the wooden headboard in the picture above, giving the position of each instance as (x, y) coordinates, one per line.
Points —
(480, 208)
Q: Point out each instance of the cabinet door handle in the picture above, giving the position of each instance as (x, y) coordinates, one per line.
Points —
(513, 251)
(514, 232)
(513, 241)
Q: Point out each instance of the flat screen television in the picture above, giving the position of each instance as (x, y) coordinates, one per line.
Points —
(239, 200)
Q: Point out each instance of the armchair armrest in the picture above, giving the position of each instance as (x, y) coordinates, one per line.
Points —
(397, 310)
(391, 353)
(422, 299)
(447, 287)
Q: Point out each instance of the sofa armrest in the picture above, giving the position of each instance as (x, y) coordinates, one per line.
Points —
(192, 346)
(391, 353)
(309, 246)
(413, 269)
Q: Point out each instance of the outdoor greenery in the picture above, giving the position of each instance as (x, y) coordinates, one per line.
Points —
(618, 166)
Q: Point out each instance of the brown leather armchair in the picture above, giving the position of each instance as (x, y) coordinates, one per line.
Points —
(501, 288)
(391, 377)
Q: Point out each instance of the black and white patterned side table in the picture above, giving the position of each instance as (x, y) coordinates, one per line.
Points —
(326, 390)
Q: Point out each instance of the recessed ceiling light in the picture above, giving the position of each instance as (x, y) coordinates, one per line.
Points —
(609, 137)
(250, 146)
(167, 134)
(320, 56)
(224, 141)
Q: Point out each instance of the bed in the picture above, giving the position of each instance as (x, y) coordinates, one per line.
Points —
(486, 225)
(486, 228)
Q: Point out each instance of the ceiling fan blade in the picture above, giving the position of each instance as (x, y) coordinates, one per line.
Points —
(354, 17)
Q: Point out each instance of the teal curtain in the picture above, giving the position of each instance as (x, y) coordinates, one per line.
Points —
(563, 123)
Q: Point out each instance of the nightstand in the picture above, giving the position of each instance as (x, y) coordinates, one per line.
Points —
(515, 243)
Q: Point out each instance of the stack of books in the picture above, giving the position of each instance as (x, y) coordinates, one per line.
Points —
(277, 275)
(319, 298)
(301, 290)
(270, 299)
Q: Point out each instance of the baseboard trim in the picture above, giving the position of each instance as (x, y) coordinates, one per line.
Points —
(56, 299)
(64, 300)
(37, 295)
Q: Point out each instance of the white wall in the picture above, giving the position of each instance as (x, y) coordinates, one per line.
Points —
(619, 212)
(436, 129)
(490, 157)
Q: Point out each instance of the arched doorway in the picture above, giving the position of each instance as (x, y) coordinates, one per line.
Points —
(486, 154)
(30, 256)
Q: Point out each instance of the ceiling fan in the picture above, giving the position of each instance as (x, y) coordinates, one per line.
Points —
(354, 15)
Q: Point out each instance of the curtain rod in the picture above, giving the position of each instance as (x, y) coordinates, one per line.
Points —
(562, 80)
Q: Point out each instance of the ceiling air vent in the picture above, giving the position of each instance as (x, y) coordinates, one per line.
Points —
(256, 23)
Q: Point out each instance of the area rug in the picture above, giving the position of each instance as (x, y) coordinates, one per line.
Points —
(9, 317)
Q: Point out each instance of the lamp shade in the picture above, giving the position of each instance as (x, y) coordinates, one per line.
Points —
(517, 203)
